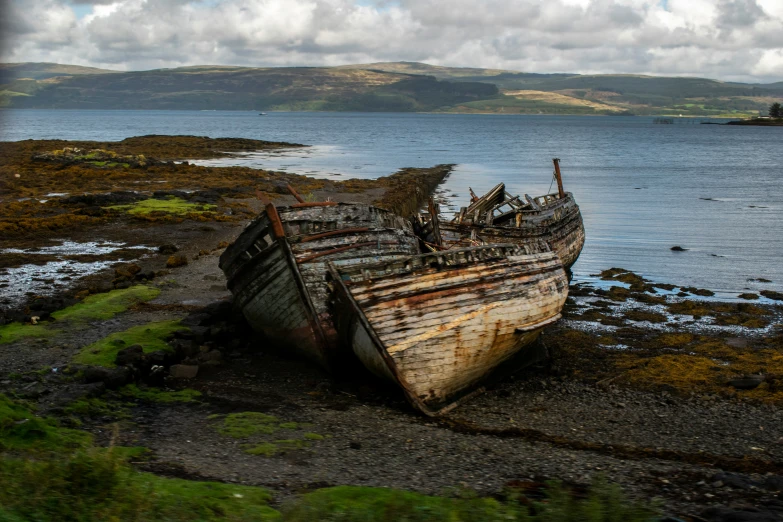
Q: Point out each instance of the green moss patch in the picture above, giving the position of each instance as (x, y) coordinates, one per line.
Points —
(98, 484)
(603, 502)
(172, 205)
(94, 307)
(21, 429)
(13, 332)
(53, 473)
(256, 428)
(291, 444)
(266, 449)
(152, 337)
(107, 305)
(246, 424)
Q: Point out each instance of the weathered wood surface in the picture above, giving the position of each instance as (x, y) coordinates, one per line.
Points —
(279, 278)
(438, 323)
(554, 220)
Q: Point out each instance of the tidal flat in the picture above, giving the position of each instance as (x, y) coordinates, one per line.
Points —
(663, 390)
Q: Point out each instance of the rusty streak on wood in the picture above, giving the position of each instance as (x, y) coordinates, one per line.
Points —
(294, 193)
(334, 233)
(277, 226)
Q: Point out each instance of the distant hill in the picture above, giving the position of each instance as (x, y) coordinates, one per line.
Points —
(41, 71)
(388, 86)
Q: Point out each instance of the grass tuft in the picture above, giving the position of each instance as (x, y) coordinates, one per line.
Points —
(107, 305)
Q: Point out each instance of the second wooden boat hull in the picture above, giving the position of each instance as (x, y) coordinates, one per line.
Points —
(276, 269)
(560, 226)
(438, 324)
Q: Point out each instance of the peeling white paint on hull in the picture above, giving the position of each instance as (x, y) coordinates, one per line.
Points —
(438, 324)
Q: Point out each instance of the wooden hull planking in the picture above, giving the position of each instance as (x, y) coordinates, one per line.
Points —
(439, 323)
(279, 277)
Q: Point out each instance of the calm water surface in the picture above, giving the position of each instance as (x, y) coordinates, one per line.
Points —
(715, 190)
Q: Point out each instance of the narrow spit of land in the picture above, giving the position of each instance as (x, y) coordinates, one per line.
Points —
(667, 395)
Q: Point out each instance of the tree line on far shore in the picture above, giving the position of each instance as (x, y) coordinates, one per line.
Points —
(776, 110)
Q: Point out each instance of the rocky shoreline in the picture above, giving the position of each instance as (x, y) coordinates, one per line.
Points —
(672, 396)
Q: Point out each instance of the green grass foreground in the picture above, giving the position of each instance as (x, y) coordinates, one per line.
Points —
(93, 307)
(50, 473)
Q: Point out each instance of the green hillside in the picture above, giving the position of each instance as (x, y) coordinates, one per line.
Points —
(240, 88)
(392, 86)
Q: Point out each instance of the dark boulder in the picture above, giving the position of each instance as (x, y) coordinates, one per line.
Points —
(219, 310)
(196, 319)
(112, 378)
(183, 371)
(168, 249)
(748, 382)
(130, 355)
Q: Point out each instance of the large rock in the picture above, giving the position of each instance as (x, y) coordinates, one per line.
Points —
(130, 355)
(183, 371)
(747, 382)
(176, 261)
(79, 391)
(112, 378)
(219, 310)
(168, 249)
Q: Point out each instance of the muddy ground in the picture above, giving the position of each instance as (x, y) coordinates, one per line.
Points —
(672, 396)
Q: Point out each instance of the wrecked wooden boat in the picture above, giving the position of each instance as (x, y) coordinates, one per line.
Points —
(437, 324)
(498, 217)
(276, 268)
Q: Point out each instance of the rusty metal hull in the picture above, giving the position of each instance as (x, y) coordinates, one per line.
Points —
(437, 324)
(559, 224)
(276, 269)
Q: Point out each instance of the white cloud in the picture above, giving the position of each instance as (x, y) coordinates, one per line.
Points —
(726, 39)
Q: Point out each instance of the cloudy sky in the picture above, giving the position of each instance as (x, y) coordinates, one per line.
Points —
(726, 39)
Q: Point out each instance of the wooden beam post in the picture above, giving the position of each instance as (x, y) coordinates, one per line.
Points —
(559, 178)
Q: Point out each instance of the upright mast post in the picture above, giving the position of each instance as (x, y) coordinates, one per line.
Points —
(559, 178)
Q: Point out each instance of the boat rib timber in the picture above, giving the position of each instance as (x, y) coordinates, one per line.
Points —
(276, 268)
(438, 324)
